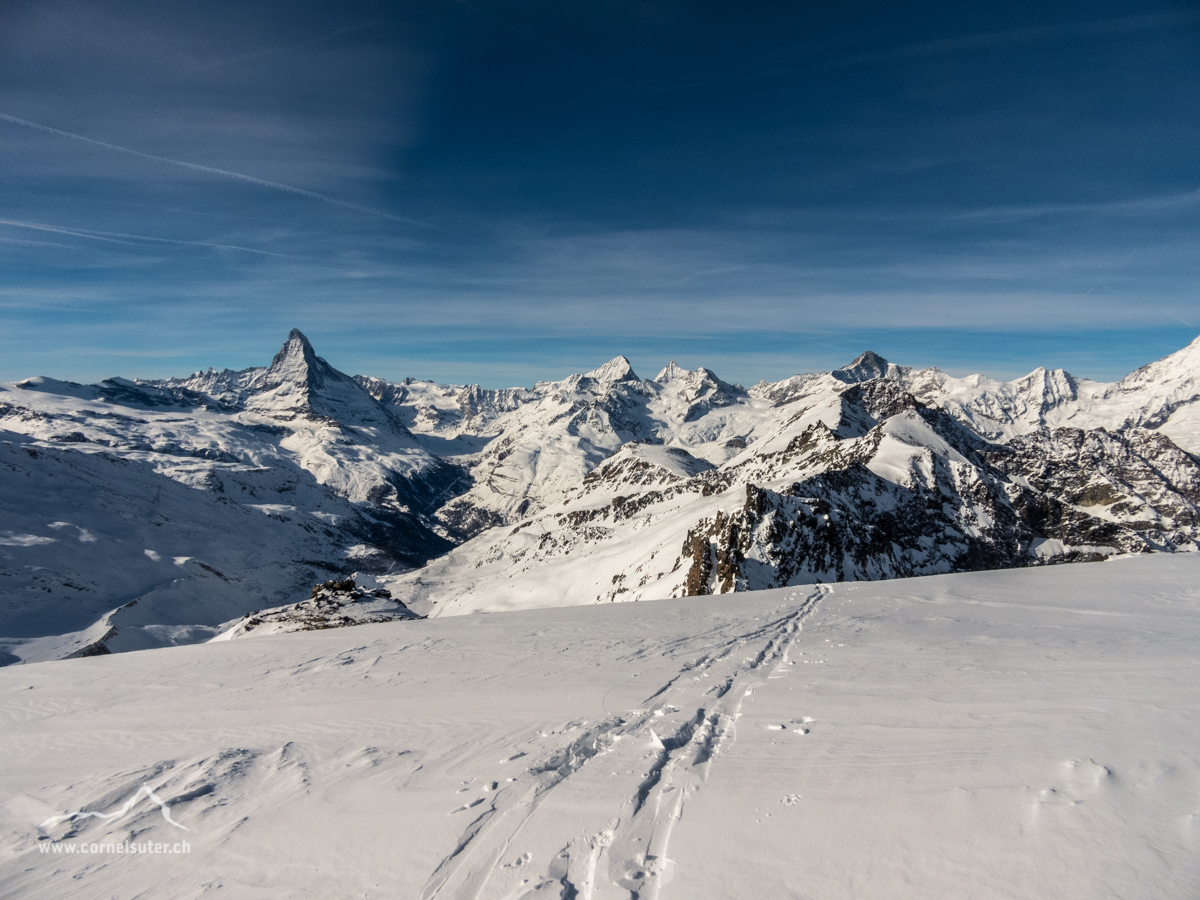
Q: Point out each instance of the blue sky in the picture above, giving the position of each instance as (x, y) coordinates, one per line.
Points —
(502, 192)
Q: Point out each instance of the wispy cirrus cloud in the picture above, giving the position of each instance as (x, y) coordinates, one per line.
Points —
(208, 176)
(1160, 203)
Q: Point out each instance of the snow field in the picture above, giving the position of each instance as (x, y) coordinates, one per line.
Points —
(1027, 733)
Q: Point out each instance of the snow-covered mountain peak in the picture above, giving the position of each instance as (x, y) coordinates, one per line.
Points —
(698, 386)
(298, 363)
(675, 376)
(616, 369)
(670, 372)
(301, 385)
(1180, 367)
(296, 373)
(868, 366)
(1058, 384)
(1162, 395)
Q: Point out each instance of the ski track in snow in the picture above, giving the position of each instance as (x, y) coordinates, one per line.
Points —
(993, 735)
(696, 713)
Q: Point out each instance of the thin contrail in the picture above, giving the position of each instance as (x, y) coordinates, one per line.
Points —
(118, 237)
(224, 173)
(24, 243)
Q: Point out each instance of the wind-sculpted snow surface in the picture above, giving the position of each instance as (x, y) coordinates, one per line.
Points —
(990, 735)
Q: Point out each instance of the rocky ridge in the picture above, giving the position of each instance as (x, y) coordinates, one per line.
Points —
(332, 604)
(863, 483)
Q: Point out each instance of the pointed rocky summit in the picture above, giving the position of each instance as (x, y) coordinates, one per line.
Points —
(300, 384)
(670, 372)
(866, 368)
(297, 363)
(616, 369)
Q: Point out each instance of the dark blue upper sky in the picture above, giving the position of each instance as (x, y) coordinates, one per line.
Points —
(507, 191)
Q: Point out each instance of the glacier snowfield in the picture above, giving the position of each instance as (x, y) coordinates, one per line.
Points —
(1017, 734)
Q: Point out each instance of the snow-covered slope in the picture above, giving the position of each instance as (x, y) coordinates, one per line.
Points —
(995, 735)
(1163, 396)
(861, 484)
(100, 553)
(600, 486)
(275, 477)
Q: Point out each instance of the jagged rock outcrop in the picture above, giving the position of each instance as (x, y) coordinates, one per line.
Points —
(851, 478)
(332, 604)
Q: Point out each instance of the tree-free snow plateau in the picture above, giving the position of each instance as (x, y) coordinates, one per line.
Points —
(1016, 734)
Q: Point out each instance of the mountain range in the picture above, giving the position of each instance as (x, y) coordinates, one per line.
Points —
(140, 513)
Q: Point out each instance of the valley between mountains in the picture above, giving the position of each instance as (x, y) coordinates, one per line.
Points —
(149, 513)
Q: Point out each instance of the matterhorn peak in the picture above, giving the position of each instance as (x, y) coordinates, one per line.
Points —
(616, 369)
(296, 350)
(297, 363)
(301, 384)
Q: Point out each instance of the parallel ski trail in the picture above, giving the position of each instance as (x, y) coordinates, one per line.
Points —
(673, 740)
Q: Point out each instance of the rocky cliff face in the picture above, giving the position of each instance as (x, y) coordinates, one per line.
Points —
(849, 479)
